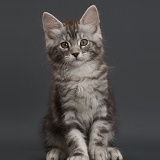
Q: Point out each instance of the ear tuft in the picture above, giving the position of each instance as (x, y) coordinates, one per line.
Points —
(91, 16)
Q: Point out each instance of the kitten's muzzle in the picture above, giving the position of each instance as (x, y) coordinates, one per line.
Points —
(75, 54)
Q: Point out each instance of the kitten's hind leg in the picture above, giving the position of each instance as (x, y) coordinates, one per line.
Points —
(54, 141)
(114, 153)
(55, 154)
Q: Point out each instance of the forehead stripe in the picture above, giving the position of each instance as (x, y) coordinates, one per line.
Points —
(72, 28)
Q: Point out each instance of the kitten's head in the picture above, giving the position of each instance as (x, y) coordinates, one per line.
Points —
(73, 42)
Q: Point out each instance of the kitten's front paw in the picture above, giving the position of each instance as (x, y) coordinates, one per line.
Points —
(78, 157)
(114, 153)
(98, 153)
(55, 154)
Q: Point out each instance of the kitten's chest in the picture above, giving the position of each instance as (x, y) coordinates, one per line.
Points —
(85, 88)
(87, 101)
(82, 92)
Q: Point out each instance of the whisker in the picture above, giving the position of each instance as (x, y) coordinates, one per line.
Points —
(43, 63)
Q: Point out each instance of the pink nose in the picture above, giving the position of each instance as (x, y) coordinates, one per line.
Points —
(75, 54)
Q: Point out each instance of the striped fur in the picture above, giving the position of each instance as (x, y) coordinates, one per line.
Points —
(80, 121)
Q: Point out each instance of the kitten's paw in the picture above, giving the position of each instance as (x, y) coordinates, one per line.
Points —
(78, 157)
(114, 153)
(55, 154)
(98, 153)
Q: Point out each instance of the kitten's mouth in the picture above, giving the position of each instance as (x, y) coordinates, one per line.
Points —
(77, 59)
(77, 62)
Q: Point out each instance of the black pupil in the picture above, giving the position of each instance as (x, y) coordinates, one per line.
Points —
(84, 42)
(64, 45)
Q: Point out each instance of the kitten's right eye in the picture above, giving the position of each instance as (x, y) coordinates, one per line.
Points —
(83, 42)
(64, 45)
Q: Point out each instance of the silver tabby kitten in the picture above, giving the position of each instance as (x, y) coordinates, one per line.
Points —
(80, 121)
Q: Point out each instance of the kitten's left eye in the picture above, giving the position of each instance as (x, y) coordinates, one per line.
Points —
(64, 45)
(83, 42)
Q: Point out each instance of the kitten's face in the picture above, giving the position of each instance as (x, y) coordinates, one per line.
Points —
(73, 42)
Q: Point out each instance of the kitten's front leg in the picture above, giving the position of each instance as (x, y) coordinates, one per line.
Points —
(74, 137)
(99, 140)
(101, 134)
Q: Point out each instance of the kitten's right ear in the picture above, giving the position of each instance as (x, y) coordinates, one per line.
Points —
(91, 17)
(50, 24)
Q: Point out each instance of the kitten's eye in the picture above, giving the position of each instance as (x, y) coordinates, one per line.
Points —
(64, 45)
(83, 42)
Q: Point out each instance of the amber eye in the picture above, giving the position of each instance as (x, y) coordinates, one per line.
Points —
(64, 45)
(84, 42)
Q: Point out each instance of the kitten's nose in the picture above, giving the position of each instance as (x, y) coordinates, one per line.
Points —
(75, 54)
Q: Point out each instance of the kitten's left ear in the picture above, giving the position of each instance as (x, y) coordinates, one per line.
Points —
(91, 17)
(50, 24)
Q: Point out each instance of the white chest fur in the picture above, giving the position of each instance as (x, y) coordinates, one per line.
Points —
(86, 99)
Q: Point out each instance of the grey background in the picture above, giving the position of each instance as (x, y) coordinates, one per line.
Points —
(131, 31)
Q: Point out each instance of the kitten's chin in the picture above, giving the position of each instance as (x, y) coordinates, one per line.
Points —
(77, 63)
